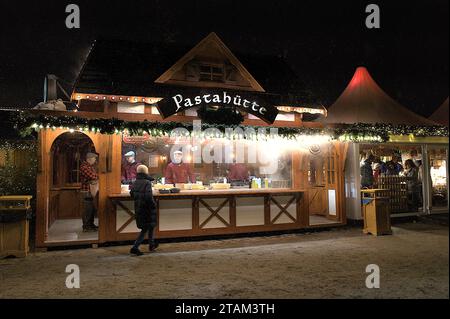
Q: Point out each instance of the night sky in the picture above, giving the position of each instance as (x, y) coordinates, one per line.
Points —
(323, 41)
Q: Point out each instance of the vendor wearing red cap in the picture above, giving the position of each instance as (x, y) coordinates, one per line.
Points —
(129, 168)
(177, 171)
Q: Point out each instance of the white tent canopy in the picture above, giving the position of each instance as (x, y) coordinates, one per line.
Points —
(441, 114)
(363, 101)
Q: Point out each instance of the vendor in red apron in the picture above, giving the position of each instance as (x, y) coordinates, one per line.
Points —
(128, 172)
(177, 171)
(238, 172)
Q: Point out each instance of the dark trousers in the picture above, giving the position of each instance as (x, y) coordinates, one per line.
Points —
(89, 210)
(151, 239)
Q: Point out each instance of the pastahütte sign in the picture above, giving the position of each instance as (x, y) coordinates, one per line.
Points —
(249, 103)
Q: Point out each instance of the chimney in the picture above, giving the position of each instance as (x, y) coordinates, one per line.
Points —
(50, 90)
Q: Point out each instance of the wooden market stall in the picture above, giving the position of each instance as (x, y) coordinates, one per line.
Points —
(125, 88)
(411, 139)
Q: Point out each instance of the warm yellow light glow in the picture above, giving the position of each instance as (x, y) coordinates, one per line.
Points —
(131, 99)
(300, 109)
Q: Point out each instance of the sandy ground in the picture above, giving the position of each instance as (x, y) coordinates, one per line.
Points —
(413, 262)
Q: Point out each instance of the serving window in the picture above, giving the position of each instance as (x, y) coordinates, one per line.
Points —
(213, 161)
(399, 169)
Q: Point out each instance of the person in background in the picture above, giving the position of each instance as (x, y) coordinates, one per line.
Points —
(177, 171)
(376, 173)
(144, 208)
(419, 181)
(89, 191)
(237, 172)
(393, 167)
(362, 158)
(415, 157)
(412, 173)
(367, 180)
(419, 171)
(129, 168)
(398, 162)
(378, 162)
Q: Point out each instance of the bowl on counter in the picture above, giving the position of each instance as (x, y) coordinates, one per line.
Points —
(164, 191)
(175, 190)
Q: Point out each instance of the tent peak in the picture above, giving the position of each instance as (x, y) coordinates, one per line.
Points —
(440, 115)
(363, 101)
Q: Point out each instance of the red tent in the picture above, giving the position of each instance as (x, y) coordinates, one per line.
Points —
(441, 114)
(363, 101)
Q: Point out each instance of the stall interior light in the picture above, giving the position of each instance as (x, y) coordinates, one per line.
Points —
(131, 99)
(359, 138)
(301, 109)
(276, 141)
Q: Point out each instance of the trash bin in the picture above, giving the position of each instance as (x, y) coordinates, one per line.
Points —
(15, 213)
(376, 212)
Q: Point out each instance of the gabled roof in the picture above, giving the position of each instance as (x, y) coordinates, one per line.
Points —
(363, 101)
(441, 114)
(118, 67)
(211, 41)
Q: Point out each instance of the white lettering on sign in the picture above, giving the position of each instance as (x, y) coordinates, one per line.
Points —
(177, 99)
(225, 98)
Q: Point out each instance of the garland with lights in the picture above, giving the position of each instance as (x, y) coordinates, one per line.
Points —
(18, 145)
(18, 180)
(27, 123)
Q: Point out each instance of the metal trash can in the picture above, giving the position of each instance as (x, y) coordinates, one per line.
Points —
(15, 213)
(376, 212)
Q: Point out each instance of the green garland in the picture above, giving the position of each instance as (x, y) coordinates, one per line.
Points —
(27, 123)
(18, 180)
(18, 145)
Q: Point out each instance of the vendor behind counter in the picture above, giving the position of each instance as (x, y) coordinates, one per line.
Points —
(177, 171)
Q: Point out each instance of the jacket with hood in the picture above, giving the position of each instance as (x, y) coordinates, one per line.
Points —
(144, 204)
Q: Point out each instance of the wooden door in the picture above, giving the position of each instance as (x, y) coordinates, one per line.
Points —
(318, 201)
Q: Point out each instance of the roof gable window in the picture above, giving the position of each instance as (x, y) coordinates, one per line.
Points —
(211, 72)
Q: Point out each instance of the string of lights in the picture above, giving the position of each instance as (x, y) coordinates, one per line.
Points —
(358, 132)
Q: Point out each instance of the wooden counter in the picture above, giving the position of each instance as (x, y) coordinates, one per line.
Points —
(215, 212)
(218, 192)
